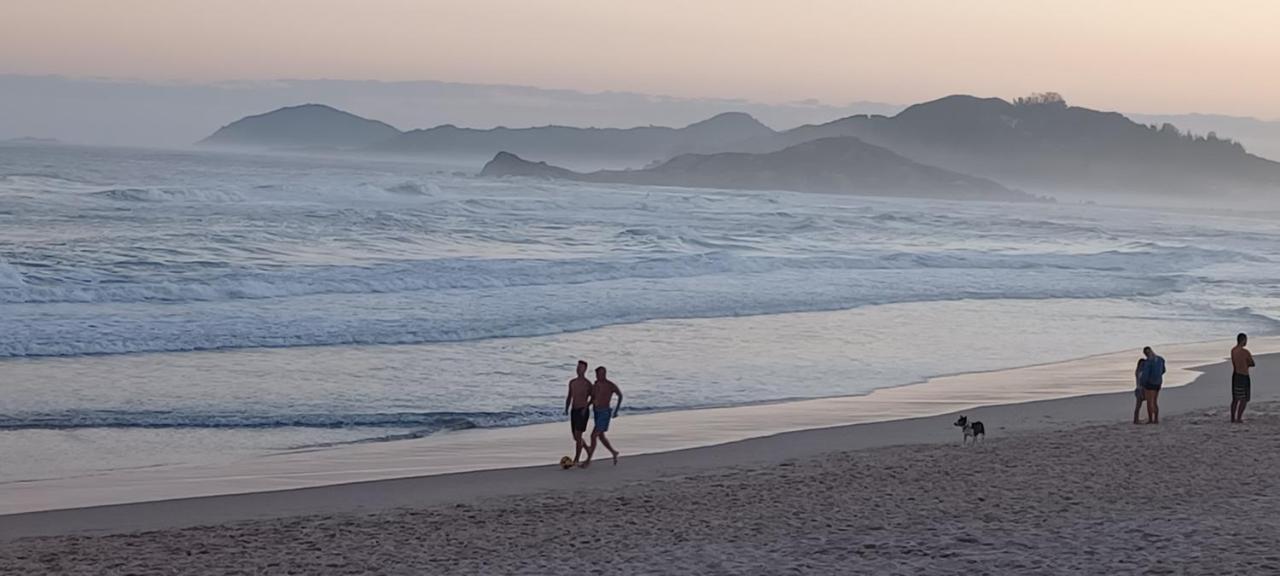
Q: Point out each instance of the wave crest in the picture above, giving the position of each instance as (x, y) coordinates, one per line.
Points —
(205, 284)
(167, 195)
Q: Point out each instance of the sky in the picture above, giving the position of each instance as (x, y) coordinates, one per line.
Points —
(1155, 56)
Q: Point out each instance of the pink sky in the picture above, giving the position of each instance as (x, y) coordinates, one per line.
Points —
(1135, 55)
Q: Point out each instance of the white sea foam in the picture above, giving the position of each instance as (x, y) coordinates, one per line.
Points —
(167, 195)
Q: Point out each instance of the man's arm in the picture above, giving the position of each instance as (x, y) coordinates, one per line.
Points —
(619, 406)
(568, 398)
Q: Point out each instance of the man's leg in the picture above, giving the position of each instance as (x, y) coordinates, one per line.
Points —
(591, 448)
(1151, 405)
(605, 440)
(1155, 405)
(578, 445)
(1235, 409)
(1240, 414)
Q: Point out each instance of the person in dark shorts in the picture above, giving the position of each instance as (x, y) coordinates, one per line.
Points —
(1139, 392)
(577, 404)
(1152, 380)
(1241, 386)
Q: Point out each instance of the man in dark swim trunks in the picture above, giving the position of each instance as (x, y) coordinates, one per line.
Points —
(577, 404)
(1241, 386)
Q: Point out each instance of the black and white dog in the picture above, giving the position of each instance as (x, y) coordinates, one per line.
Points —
(972, 430)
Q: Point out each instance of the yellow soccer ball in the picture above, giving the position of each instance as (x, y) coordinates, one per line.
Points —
(566, 462)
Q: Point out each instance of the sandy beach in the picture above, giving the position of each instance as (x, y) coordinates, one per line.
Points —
(289, 475)
(1063, 486)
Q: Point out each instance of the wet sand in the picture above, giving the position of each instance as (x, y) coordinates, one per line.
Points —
(1051, 491)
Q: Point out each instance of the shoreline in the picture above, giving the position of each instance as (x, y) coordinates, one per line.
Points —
(382, 479)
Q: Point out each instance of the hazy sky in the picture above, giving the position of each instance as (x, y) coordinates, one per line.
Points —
(1132, 55)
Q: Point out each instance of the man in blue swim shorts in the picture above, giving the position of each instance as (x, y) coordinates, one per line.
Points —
(602, 393)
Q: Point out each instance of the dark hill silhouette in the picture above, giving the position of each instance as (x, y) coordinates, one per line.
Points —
(828, 165)
(587, 146)
(309, 126)
(508, 164)
(1044, 144)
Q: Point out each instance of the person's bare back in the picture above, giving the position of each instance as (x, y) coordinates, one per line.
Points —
(1241, 360)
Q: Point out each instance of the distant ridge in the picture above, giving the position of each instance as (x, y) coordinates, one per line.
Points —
(828, 165)
(304, 126)
(36, 140)
(638, 146)
(1260, 137)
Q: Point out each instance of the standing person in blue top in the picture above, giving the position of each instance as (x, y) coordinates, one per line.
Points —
(1152, 380)
(1139, 392)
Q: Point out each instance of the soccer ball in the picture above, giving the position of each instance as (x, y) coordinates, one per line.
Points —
(566, 463)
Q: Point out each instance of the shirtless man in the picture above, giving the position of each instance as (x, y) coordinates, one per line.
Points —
(577, 405)
(601, 393)
(1241, 362)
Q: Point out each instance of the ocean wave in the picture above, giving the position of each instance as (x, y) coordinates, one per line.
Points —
(201, 283)
(416, 423)
(413, 188)
(167, 195)
(119, 419)
(481, 314)
(43, 182)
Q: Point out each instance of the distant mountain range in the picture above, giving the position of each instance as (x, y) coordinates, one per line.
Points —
(1038, 144)
(828, 165)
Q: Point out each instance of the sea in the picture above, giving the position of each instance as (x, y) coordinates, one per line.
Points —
(171, 308)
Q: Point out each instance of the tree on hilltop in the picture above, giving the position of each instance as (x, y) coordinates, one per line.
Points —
(1041, 99)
